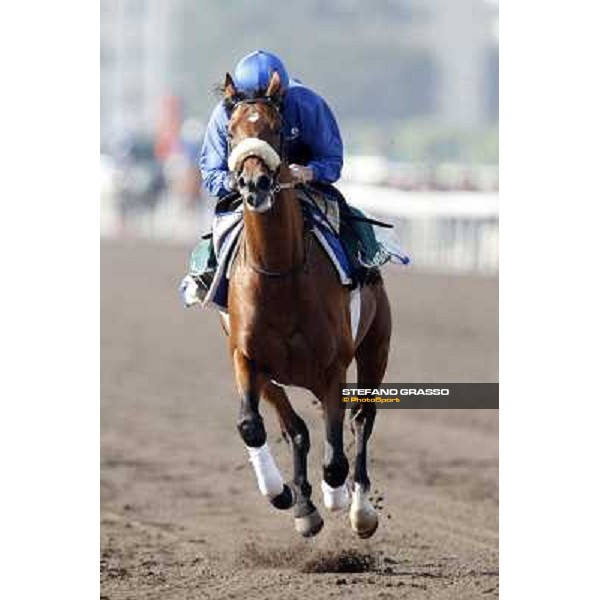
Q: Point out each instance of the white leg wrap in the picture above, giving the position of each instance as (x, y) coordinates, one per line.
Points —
(270, 482)
(360, 499)
(363, 516)
(335, 498)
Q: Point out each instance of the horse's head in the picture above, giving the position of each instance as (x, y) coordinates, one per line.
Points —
(254, 133)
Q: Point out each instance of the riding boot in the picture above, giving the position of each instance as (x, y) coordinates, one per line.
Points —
(203, 266)
(361, 274)
(205, 279)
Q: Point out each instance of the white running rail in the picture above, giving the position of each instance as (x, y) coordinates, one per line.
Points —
(448, 232)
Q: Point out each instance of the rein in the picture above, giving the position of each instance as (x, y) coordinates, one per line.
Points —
(295, 269)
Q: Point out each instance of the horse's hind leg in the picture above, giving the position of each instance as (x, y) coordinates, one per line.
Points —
(250, 425)
(363, 517)
(371, 362)
(308, 521)
(335, 464)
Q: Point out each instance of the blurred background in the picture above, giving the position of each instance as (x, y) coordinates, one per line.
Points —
(413, 83)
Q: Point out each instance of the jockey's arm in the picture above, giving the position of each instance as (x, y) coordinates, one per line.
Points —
(321, 133)
(213, 155)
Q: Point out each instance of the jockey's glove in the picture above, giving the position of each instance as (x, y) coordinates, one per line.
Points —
(231, 182)
(301, 174)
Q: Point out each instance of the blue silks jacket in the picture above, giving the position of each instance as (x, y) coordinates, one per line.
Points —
(311, 137)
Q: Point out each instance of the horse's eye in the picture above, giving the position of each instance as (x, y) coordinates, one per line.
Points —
(241, 181)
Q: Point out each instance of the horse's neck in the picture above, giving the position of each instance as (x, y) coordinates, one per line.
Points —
(274, 240)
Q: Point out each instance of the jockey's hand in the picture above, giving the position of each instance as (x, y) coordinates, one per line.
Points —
(301, 174)
(232, 183)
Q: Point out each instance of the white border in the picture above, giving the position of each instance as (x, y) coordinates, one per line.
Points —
(49, 231)
(549, 300)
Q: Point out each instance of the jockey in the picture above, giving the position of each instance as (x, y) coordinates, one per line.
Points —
(313, 147)
(311, 134)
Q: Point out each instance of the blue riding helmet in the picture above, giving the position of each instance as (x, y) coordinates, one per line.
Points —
(253, 73)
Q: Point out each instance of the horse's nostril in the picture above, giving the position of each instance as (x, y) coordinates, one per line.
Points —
(241, 181)
(263, 183)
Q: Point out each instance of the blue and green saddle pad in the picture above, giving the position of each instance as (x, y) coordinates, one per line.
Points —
(356, 235)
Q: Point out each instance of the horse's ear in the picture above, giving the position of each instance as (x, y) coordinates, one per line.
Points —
(274, 87)
(229, 90)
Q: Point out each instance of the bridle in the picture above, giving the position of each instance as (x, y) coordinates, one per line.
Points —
(274, 188)
(275, 185)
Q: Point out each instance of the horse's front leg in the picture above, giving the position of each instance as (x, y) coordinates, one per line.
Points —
(307, 519)
(363, 516)
(251, 427)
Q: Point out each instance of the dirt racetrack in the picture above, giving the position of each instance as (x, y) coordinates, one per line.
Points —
(181, 513)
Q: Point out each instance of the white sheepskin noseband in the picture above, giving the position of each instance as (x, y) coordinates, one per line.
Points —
(253, 147)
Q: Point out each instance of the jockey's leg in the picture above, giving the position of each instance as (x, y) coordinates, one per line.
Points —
(203, 265)
(205, 278)
(362, 274)
(225, 204)
(203, 262)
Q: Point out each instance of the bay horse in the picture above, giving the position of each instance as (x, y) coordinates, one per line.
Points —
(289, 324)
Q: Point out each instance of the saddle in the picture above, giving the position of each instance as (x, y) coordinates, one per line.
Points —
(345, 233)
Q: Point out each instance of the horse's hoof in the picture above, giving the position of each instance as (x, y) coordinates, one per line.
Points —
(363, 517)
(285, 500)
(309, 525)
(364, 524)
